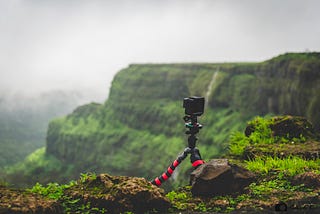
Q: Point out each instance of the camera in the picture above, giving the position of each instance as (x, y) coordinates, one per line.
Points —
(194, 106)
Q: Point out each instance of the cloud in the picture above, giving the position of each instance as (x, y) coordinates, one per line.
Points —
(81, 44)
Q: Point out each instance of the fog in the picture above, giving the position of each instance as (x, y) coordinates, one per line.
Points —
(78, 44)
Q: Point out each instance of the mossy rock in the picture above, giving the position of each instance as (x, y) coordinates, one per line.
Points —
(118, 194)
(293, 127)
(22, 201)
(292, 136)
(289, 127)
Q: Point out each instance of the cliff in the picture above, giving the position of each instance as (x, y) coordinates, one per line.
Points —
(139, 130)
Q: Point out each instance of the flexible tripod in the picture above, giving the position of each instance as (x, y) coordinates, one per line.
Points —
(195, 157)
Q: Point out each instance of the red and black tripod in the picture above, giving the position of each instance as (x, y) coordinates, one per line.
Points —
(195, 157)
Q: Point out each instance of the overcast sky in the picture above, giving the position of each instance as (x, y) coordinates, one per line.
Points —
(65, 44)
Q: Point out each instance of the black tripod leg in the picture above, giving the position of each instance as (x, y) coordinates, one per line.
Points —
(195, 158)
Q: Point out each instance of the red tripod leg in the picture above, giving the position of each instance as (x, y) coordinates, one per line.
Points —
(167, 174)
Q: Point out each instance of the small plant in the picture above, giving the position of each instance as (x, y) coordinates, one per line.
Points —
(52, 190)
(176, 197)
(261, 134)
(180, 200)
(201, 207)
(87, 176)
(238, 143)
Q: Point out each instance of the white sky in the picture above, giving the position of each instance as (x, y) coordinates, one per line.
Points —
(61, 44)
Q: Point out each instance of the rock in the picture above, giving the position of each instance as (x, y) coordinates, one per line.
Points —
(219, 177)
(294, 136)
(118, 194)
(289, 127)
(293, 127)
(21, 201)
(309, 179)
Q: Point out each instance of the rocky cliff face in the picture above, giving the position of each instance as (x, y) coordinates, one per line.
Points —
(139, 129)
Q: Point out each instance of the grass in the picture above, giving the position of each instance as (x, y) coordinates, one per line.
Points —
(290, 166)
(262, 134)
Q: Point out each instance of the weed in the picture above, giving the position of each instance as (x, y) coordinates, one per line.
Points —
(52, 190)
(87, 176)
(201, 207)
(179, 200)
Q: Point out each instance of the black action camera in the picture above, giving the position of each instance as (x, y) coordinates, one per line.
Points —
(193, 106)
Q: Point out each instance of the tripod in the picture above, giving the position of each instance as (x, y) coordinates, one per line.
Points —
(195, 157)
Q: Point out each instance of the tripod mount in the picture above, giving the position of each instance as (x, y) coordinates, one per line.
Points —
(193, 128)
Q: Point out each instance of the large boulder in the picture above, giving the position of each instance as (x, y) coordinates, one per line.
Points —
(119, 194)
(219, 177)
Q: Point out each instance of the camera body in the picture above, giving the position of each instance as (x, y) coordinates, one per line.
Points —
(194, 106)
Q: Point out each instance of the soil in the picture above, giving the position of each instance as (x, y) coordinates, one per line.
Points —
(21, 201)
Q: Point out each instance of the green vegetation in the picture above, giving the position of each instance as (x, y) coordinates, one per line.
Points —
(275, 175)
(70, 205)
(274, 183)
(260, 196)
(289, 166)
(38, 166)
(18, 139)
(139, 130)
(24, 121)
(262, 134)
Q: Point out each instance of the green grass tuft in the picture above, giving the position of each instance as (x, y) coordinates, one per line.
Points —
(290, 166)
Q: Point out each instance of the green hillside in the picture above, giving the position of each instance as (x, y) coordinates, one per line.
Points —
(24, 120)
(139, 130)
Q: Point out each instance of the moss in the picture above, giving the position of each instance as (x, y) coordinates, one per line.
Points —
(117, 194)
